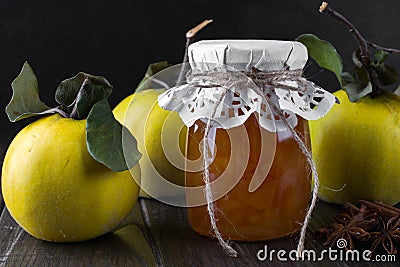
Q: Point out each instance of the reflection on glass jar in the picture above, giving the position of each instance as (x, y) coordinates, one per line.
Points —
(277, 207)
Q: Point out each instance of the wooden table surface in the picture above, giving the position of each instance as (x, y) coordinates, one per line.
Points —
(154, 234)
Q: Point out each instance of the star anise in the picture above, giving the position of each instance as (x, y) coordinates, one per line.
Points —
(368, 212)
(387, 235)
(373, 223)
(349, 226)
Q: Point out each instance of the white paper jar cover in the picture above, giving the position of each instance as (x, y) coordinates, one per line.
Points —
(265, 55)
(198, 100)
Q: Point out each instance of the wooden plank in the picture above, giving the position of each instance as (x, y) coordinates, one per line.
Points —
(1, 197)
(180, 246)
(125, 247)
(2, 151)
(2, 154)
(1, 200)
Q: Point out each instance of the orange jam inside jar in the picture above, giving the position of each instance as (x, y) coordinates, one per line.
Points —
(277, 208)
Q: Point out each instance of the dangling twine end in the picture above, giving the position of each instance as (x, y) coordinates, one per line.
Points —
(230, 251)
(224, 244)
(299, 253)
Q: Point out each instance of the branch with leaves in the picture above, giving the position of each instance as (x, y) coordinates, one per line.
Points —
(370, 73)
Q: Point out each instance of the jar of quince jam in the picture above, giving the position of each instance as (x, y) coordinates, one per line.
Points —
(244, 100)
(277, 208)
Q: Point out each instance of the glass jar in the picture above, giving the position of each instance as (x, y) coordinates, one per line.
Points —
(277, 208)
(243, 102)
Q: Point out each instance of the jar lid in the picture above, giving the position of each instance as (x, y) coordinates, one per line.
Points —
(265, 55)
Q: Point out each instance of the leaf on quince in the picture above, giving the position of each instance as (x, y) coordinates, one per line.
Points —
(323, 53)
(25, 101)
(397, 91)
(355, 91)
(356, 57)
(347, 78)
(151, 70)
(361, 75)
(380, 57)
(91, 91)
(67, 91)
(109, 142)
(82, 103)
(387, 75)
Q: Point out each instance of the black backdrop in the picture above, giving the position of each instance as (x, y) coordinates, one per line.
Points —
(118, 39)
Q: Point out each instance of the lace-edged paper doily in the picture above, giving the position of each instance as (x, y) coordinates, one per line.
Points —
(230, 103)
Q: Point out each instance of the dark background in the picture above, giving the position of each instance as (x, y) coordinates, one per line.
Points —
(118, 39)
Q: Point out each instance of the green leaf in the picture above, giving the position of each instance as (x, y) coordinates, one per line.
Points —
(347, 78)
(355, 91)
(380, 57)
(109, 142)
(386, 75)
(356, 57)
(323, 53)
(83, 102)
(361, 75)
(90, 93)
(397, 91)
(151, 70)
(25, 101)
(68, 89)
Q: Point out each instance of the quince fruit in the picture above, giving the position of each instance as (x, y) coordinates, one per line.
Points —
(356, 147)
(65, 177)
(56, 191)
(161, 136)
